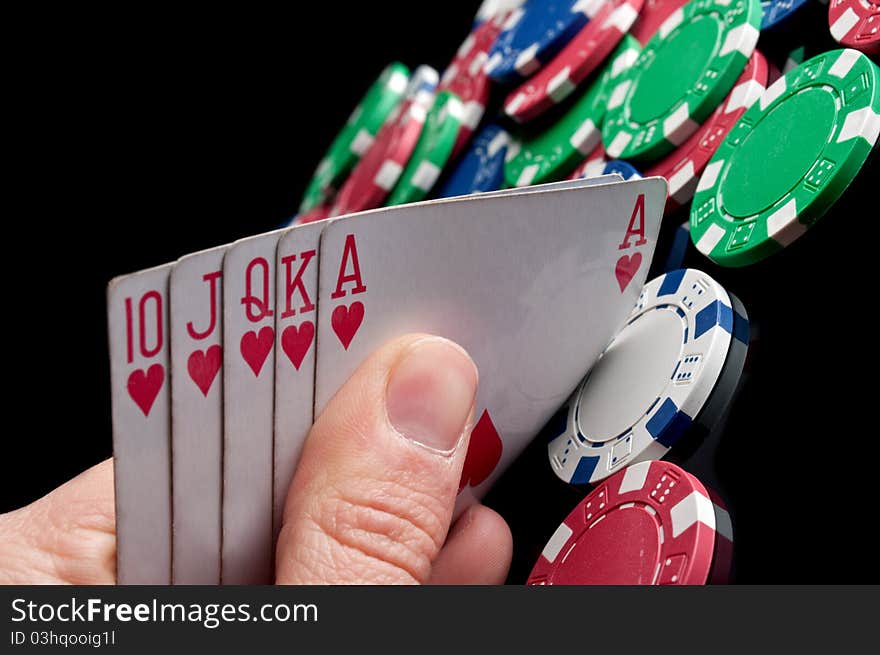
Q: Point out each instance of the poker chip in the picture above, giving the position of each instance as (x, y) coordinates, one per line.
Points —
(794, 59)
(794, 54)
(560, 77)
(722, 553)
(802, 33)
(592, 166)
(466, 77)
(856, 24)
(651, 523)
(776, 11)
(731, 373)
(682, 167)
(596, 165)
(318, 213)
(680, 77)
(356, 137)
(651, 17)
(532, 35)
(490, 9)
(681, 239)
(381, 166)
(481, 168)
(433, 150)
(788, 159)
(650, 383)
(552, 154)
(623, 168)
(621, 61)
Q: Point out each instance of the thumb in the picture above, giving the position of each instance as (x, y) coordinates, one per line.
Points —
(373, 495)
(66, 537)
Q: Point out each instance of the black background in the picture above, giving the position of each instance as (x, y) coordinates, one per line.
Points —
(140, 137)
(147, 136)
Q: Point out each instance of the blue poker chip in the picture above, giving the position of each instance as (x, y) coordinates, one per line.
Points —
(679, 248)
(490, 9)
(600, 167)
(623, 168)
(776, 11)
(532, 35)
(481, 168)
(652, 381)
(729, 381)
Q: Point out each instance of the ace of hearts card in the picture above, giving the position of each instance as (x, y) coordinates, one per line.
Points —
(533, 285)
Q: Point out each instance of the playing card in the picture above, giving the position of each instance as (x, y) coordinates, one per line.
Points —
(197, 416)
(532, 284)
(137, 311)
(296, 269)
(249, 400)
(610, 178)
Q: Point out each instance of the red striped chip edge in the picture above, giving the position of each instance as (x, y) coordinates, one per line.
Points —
(651, 523)
(560, 77)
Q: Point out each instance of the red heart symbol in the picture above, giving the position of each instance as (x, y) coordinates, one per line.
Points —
(296, 341)
(203, 367)
(144, 387)
(626, 269)
(255, 348)
(484, 453)
(346, 321)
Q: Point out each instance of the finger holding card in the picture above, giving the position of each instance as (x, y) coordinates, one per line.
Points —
(137, 307)
(197, 415)
(533, 285)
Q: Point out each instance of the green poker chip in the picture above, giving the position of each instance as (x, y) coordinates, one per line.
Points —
(357, 134)
(788, 159)
(555, 152)
(683, 73)
(433, 150)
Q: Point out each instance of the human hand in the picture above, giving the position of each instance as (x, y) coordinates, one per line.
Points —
(371, 501)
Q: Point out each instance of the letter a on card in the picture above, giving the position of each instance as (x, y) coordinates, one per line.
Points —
(534, 302)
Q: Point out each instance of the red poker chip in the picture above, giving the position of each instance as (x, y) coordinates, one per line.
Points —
(773, 73)
(682, 167)
(856, 24)
(318, 213)
(653, 13)
(596, 160)
(722, 555)
(465, 77)
(377, 172)
(574, 63)
(651, 523)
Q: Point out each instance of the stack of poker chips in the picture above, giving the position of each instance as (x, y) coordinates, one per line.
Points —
(760, 116)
